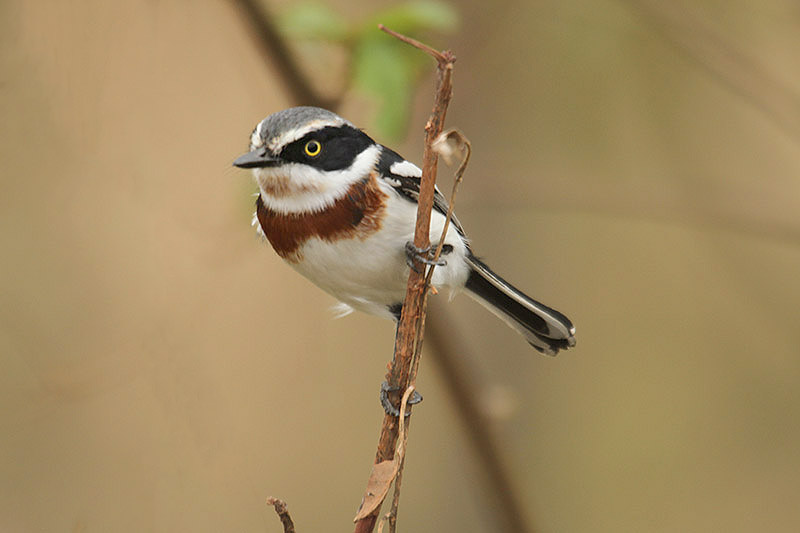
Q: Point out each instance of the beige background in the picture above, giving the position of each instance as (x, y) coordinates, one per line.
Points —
(162, 370)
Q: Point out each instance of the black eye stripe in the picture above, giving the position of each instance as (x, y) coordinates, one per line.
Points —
(340, 146)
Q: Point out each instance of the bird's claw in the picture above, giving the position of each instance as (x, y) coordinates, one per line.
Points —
(390, 409)
(423, 255)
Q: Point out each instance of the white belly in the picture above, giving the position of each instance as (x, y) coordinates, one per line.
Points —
(370, 274)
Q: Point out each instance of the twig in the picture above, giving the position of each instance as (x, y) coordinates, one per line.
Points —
(445, 145)
(400, 457)
(283, 513)
(407, 342)
(440, 57)
(384, 473)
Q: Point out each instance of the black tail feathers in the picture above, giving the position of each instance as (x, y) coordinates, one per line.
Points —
(544, 328)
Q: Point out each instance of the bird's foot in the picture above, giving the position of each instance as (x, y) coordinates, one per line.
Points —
(390, 409)
(423, 255)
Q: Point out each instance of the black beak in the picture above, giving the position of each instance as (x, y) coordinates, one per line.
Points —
(256, 159)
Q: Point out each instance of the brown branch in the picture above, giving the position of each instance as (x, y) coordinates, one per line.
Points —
(440, 57)
(400, 456)
(408, 340)
(283, 513)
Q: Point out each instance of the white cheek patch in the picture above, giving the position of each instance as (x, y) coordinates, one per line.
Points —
(406, 169)
(308, 189)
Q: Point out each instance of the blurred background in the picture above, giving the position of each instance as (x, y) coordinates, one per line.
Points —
(635, 165)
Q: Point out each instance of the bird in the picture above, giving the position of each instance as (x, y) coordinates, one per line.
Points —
(340, 209)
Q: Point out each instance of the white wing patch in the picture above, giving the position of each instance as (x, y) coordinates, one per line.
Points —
(406, 169)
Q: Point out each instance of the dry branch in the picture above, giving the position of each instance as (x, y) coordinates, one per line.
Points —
(283, 514)
(409, 330)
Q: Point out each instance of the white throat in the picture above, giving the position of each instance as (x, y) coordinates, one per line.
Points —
(298, 188)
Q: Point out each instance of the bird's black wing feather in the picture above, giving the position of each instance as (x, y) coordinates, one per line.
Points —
(408, 185)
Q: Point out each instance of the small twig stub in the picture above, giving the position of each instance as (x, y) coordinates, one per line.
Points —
(283, 514)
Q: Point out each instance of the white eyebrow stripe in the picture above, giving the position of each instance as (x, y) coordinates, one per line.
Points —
(278, 142)
(255, 139)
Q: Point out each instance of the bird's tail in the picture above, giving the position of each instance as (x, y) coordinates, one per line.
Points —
(545, 329)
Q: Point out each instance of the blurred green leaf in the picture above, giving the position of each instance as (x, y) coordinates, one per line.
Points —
(413, 17)
(312, 20)
(385, 72)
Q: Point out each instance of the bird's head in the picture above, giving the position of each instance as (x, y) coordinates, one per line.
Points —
(304, 158)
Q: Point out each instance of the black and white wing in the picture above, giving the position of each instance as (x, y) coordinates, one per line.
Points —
(544, 328)
(404, 176)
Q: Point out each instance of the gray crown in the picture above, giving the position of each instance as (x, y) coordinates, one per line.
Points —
(283, 127)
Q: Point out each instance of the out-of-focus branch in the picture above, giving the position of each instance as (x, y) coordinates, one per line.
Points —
(723, 62)
(449, 356)
(274, 49)
(461, 387)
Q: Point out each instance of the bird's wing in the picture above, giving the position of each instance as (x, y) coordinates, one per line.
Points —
(404, 177)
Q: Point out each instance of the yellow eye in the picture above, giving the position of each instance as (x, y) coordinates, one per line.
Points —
(313, 148)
